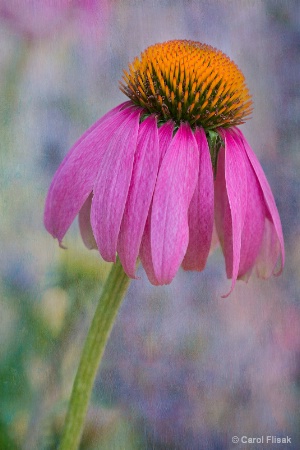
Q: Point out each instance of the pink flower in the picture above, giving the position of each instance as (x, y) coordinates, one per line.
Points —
(149, 183)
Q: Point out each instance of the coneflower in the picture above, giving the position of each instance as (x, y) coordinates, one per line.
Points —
(152, 176)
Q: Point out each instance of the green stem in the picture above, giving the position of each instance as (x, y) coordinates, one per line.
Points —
(108, 306)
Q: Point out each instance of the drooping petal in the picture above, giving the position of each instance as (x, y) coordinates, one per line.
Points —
(174, 189)
(201, 210)
(140, 193)
(253, 228)
(165, 133)
(230, 203)
(74, 179)
(112, 184)
(223, 223)
(146, 252)
(84, 219)
(270, 203)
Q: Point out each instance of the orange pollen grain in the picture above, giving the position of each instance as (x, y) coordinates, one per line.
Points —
(188, 81)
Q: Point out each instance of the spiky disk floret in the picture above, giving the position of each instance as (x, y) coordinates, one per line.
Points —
(188, 81)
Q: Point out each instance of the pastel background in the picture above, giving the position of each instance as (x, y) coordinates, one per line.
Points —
(184, 368)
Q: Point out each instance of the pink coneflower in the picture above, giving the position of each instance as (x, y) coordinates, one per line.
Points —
(151, 177)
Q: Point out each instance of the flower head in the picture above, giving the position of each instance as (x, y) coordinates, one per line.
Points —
(187, 81)
(151, 177)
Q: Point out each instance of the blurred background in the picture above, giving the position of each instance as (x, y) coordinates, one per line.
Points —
(184, 368)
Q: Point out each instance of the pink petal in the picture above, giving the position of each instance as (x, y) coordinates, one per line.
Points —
(112, 184)
(165, 134)
(230, 203)
(201, 210)
(254, 222)
(270, 203)
(85, 227)
(222, 209)
(140, 193)
(146, 253)
(74, 179)
(173, 193)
